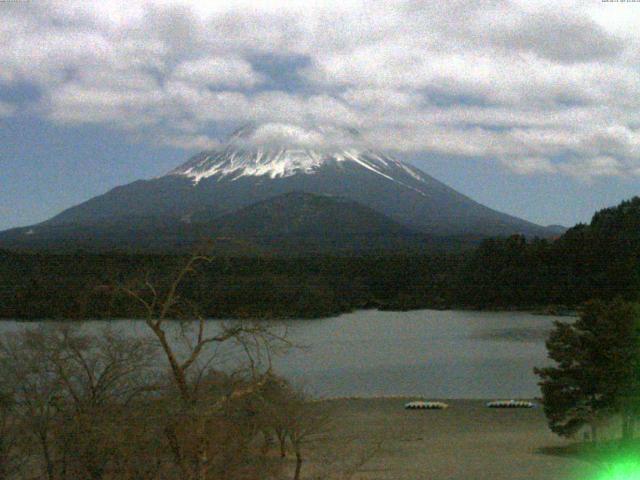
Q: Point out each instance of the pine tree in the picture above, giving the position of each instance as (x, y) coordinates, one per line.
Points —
(596, 373)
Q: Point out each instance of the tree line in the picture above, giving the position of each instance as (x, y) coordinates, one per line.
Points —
(72, 286)
(595, 261)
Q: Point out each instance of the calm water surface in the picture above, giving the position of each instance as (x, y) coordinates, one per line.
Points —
(436, 354)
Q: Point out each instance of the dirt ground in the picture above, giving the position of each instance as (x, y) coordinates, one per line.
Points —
(467, 441)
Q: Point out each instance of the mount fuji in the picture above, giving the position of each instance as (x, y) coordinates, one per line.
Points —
(271, 168)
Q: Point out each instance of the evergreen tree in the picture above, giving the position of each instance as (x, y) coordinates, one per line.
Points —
(596, 373)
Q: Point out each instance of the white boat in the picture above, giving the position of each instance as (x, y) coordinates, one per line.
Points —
(511, 404)
(422, 405)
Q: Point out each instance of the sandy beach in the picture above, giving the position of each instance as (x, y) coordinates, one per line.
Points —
(467, 441)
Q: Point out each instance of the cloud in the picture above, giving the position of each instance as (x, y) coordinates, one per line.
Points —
(541, 88)
(232, 72)
(6, 110)
(127, 108)
(589, 168)
(274, 134)
(190, 142)
(530, 165)
(316, 137)
(558, 37)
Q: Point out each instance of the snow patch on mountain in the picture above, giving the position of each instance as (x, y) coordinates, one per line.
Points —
(233, 164)
(411, 171)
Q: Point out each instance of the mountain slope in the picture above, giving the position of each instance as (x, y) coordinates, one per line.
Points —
(292, 223)
(300, 221)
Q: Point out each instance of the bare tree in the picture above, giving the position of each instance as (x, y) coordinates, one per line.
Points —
(35, 392)
(307, 421)
(295, 420)
(257, 339)
(352, 457)
(200, 411)
(305, 426)
(71, 390)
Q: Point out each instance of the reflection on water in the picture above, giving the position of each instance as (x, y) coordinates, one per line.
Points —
(436, 354)
(536, 334)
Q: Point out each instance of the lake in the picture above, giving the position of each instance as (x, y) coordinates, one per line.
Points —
(435, 354)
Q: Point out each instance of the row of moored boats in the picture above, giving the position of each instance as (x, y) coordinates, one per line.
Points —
(425, 405)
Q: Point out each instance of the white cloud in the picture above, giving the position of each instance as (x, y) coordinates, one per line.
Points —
(232, 72)
(589, 168)
(529, 165)
(191, 142)
(278, 133)
(317, 137)
(542, 88)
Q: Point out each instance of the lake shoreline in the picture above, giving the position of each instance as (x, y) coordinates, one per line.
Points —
(548, 310)
(408, 398)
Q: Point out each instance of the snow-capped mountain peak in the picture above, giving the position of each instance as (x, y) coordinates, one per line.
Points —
(277, 150)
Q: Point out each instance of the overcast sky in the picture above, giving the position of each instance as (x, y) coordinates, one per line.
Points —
(530, 107)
